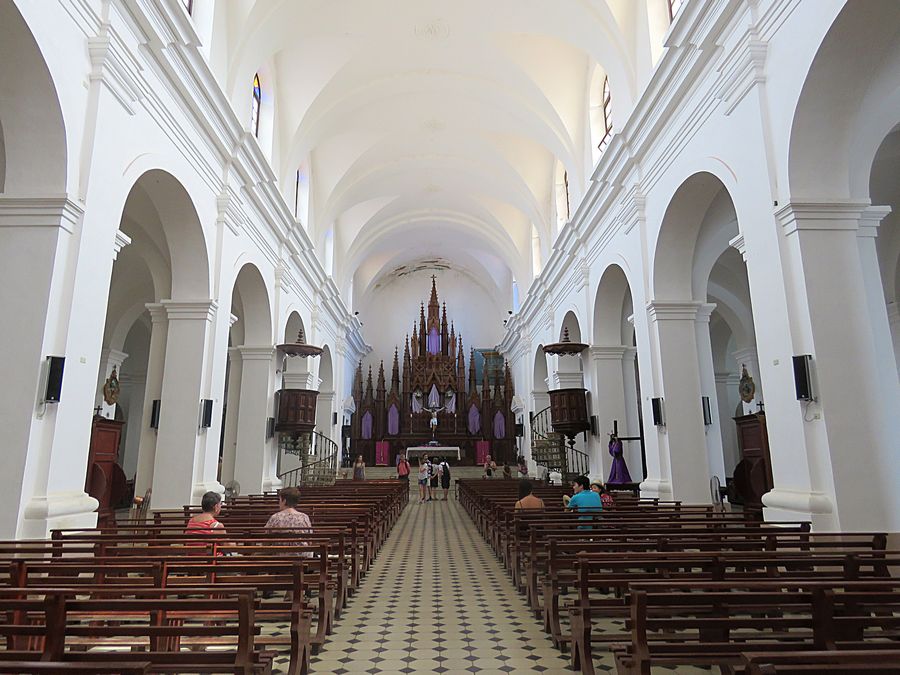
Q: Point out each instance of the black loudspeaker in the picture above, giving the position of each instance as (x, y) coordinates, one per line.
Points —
(802, 378)
(270, 428)
(707, 414)
(154, 414)
(55, 365)
(345, 431)
(520, 430)
(593, 425)
(658, 418)
(334, 419)
(206, 406)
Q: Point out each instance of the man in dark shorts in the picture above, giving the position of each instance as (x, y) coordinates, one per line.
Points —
(444, 472)
(433, 472)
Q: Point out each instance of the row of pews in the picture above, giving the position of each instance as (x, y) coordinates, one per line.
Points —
(653, 583)
(147, 598)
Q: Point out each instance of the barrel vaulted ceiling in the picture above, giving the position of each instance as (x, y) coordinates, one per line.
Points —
(426, 128)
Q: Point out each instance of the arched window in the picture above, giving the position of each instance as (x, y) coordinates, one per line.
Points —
(674, 6)
(297, 194)
(189, 6)
(254, 110)
(607, 116)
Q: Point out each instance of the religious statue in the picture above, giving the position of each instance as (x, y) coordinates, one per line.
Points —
(111, 388)
(433, 422)
(746, 387)
(618, 472)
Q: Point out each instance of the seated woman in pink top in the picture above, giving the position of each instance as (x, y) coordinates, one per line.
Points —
(206, 522)
(288, 519)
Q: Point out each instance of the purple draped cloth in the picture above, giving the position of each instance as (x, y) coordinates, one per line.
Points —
(451, 404)
(416, 404)
(499, 425)
(434, 397)
(393, 420)
(618, 473)
(433, 342)
(367, 426)
(474, 420)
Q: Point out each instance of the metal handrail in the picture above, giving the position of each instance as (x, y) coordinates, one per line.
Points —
(318, 465)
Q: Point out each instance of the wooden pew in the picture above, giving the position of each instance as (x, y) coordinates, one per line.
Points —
(712, 623)
(844, 662)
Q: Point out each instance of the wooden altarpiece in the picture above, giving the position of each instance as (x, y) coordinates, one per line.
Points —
(433, 375)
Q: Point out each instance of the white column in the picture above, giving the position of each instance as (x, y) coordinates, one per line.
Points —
(37, 238)
(609, 402)
(632, 425)
(852, 444)
(682, 441)
(747, 357)
(252, 462)
(156, 363)
(726, 403)
(109, 359)
(233, 407)
(893, 313)
(132, 400)
(714, 454)
(182, 390)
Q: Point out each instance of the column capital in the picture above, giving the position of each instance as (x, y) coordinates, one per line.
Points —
(122, 240)
(256, 353)
(829, 216)
(112, 358)
(871, 218)
(608, 353)
(157, 312)
(739, 245)
(704, 311)
(678, 311)
(190, 310)
(630, 354)
(56, 211)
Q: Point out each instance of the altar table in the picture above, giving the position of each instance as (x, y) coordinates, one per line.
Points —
(433, 451)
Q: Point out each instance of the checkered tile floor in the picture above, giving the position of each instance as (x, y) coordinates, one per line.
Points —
(437, 601)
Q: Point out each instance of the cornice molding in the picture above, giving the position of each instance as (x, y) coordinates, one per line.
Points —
(825, 215)
(190, 310)
(113, 65)
(743, 68)
(677, 311)
(122, 240)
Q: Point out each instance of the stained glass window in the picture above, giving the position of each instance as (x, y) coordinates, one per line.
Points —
(254, 110)
(607, 115)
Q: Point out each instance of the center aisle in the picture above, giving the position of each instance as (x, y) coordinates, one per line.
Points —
(437, 601)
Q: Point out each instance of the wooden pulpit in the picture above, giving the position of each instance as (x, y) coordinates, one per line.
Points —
(102, 467)
(753, 474)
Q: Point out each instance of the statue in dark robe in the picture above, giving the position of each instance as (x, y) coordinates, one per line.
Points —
(618, 473)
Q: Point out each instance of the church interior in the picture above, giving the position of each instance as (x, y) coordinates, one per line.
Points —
(427, 278)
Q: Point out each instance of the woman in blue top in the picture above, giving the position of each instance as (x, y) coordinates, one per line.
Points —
(584, 499)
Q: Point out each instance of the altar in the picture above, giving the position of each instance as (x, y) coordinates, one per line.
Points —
(442, 451)
(429, 394)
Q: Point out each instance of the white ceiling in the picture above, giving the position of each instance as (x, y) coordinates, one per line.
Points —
(429, 128)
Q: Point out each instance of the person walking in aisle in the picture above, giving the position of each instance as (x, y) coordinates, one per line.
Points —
(423, 478)
(444, 473)
(359, 468)
(403, 468)
(433, 479)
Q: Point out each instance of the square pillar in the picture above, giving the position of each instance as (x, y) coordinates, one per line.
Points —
(682, 441)
(608, 402)
(178, 447)
(253, 460)
(156, 362)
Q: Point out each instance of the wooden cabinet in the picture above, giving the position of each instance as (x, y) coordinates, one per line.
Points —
(753, 474)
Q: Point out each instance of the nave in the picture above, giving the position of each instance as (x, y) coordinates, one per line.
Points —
(437, 601)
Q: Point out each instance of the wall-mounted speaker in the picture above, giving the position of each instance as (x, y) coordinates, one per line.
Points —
(334, 419)
(55, 365)
(707, 413)
(520, 430)
(206, 406)
(154, 414)
(345, 431)
(658, 417)
(593, 425)
(270, 428)
(803, 378)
